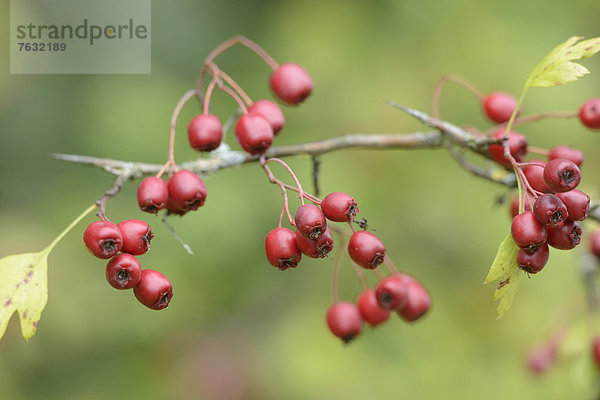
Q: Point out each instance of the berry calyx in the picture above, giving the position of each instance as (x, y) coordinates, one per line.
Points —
(391, 292)
(550, 210)
(153, 290)
(205, 132)
(566, 152)
(317, 248)
(271, 112)
(499, 106)
(526, 231)
(418, 302)
(187, 190)
(517, 145)
(366, 249)
(152, 194)
(291, 83)
(369, 309)
(123, 271)
(254, 133)
(534, 173)
(565, 236)
(577, 203)
(339, 207)
(310, 221)
(532, 261)
(344, 320)
(281, 248)
(136, 236)
(103, 239)
(561, 175)
(589, 113)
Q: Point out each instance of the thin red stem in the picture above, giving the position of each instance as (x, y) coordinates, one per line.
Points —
(171, 159)
(291, 172)
(437, 91)
(209, 91)
(538, 150)
(235, 96)
(216, 71)
(390, 264)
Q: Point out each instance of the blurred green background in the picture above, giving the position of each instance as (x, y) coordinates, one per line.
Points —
(237, 328)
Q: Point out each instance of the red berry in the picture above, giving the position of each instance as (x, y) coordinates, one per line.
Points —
(281, 248)
(317, 248)
(172, 209)
(254, 133)
(532, 261)
(561, 175)
(153, 290)
(123, 271)
(541, 358)
(339, 207)
(577, 202)
(205, 132)
(566, 152)
(152, 194)
(517, 145)
(136, 236)
(595, 243)
(103, 239)
(310, 221)
(369, 308)
(271, 112)
(187, 190)
(418, 302)
(291, 83)
(596, 350)
(589, 114)
(565, 236)
(535, 175)
(344, 321)
(391, 292)
(366, 249)
(526, 231)
(550, 210)
(499, 106)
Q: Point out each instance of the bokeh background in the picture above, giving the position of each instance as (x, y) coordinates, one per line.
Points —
(237, 328)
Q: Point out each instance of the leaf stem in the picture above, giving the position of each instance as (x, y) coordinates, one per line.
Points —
(68, 228)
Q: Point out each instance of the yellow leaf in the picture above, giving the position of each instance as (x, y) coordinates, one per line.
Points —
(505, 269)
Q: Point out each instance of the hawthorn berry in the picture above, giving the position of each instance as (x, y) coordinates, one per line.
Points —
(517, 145)
(271, 112)
(281, 248)
(366, 249)
(533, 260)
(339, 207)
(103, 239)
(577, 203)
(254, 133)
(187, 190)
(550, 210)
(370, 311)
(534, 172)
(566, 152)
(152, 194)
(310, 221)
(596, 350)
(565, 236)
(526, 231)
(317, 248)
(392, 291)
(136, 236)
(344, 320)
(153, 290)
(595, 243)
(205, 132)
(499, 106)
(418, 302)
(589, 113)
(561, 175)
(541, 358)
(123, 271)
(291, 83)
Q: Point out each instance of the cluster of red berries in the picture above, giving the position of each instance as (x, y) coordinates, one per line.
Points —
(120, 243)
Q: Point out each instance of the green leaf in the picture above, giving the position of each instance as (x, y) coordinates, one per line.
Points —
(506, 269)
(557, 69)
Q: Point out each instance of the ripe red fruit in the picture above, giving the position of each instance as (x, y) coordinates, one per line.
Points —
(566, 152)
(339, 207)
(589, 113)
(152, 194)
(565, 236)
(310, 221)
(550, 210)
(281, 248)
(187, 190)
(254, 133)
(499, 106)
(596, 350)
(392, 292)
(526, 231)
(205, 132)
(418, 302)
(561, 175)
(517, 145)
(366, 249)
(532, 261)
(103, 239)
(577, 202)
(540, 359)
(123, 271)
(291, 83)
(136, 236)
(369, 308)
(535, 175)
(153, 290)
(317, 248)
(595, 243)
(344, 320)
(271, 112)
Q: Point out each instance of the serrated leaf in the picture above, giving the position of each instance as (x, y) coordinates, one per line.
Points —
(557, 69)
(505, 269)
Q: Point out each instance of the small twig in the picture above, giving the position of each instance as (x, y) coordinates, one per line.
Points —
(185, 246)
(316, 164)
(495, 175)
(112, 192)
